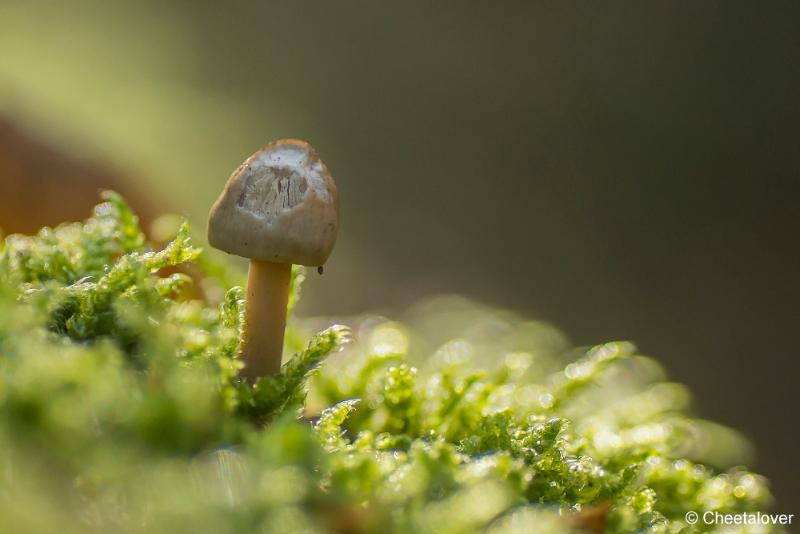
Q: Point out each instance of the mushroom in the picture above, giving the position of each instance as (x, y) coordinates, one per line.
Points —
(280, 207)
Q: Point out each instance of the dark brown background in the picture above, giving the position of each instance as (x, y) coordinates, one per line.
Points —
(626, 171)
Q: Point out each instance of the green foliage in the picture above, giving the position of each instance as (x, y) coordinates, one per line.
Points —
(121, 410)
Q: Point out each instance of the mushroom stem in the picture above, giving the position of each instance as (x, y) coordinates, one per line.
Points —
(265, 318)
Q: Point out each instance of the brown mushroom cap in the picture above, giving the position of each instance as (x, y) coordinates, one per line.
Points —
(281, 205)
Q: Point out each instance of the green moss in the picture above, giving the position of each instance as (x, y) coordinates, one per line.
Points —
(120, 410)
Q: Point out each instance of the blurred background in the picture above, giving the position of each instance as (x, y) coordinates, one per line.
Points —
(626, 173)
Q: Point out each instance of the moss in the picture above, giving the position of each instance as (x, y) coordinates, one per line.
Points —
(120, 410)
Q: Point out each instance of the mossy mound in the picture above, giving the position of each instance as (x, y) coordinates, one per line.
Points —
(120, 410)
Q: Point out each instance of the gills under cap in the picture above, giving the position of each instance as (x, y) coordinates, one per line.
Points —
(281, 205)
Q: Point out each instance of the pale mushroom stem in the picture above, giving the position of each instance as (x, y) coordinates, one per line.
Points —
(265, 318)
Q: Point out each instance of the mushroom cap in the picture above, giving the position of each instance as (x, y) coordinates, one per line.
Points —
(280, 205)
